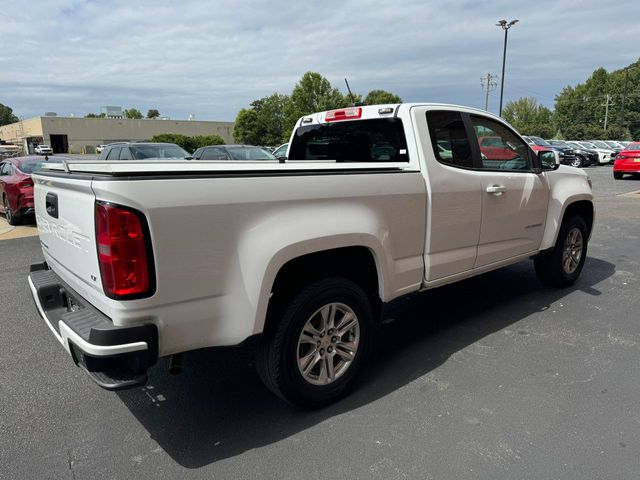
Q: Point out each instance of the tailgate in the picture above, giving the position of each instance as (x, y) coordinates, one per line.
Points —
(65, 210)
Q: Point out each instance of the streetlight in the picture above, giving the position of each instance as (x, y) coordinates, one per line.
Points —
(505, 26)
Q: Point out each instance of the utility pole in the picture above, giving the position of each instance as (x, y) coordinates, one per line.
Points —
(606, 110)
(488, 84)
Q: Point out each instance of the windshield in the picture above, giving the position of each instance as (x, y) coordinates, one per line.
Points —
(601, 144)
(140, 152)
(377, 140)
(559, 143)
(588, 145)
(249, 153)
(29, 166)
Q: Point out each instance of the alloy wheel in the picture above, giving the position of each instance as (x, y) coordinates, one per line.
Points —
(328, 344)
(572, 252)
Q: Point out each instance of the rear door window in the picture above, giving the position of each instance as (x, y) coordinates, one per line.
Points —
(114, 153)
(376, 140)
(125, 154)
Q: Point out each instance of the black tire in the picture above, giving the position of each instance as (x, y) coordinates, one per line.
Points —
(277, 354)
(549, 266)
(618, 175)
(578, 162)
(11, 217)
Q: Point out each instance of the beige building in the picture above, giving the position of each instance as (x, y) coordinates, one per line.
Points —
(78, 135)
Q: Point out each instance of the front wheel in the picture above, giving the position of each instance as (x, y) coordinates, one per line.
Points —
(318, 346)
(577, 162)
(562, 266)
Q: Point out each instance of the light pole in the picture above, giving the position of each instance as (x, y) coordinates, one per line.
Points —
(505, 26)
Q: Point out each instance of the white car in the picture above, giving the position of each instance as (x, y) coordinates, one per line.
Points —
(147, 259)
(43, 150)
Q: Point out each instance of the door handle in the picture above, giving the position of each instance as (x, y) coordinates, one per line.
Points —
(497, 190)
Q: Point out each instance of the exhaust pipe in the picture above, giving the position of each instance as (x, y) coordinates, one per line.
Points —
(175, 364)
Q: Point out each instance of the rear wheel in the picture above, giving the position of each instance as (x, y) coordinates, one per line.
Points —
(316, 349)
(12, 218)
(562, 266)
(618, 175)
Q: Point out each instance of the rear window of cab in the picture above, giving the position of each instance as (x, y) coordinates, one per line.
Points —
(375, 140)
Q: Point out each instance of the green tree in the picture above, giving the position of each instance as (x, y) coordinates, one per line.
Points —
(313, 93)
(602, 95)
(95, 115)
(379, 97)
(262, 124)
(133, 113)
(153, 113)
(245, 127)
(6, 115)
(529, 117)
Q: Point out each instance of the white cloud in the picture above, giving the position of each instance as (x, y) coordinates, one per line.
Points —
(212, 58)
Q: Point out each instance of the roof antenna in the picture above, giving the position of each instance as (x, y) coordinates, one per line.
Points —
(353, 100)
(46, 158)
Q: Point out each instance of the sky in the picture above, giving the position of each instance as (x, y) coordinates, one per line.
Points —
(212, 58)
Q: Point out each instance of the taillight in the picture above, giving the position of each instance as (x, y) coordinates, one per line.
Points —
(620, 156)
(28, 183)
(343, 114)
(123, 255)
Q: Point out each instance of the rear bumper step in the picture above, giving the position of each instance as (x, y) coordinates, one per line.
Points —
(115, 357)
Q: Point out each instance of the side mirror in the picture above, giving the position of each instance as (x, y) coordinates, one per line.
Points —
(549, 160)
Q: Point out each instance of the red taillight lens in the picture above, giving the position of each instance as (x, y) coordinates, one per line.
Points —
(25, 184)
(122, 252)
(343, 114)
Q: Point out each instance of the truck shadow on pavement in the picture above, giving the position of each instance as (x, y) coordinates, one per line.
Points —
(218, 408)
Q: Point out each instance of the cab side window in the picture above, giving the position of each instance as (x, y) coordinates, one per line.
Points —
(500, 148)
(449, 138)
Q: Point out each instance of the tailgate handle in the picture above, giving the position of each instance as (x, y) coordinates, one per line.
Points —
(52, 204)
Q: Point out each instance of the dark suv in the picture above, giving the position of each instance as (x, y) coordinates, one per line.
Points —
(584, 156)
(142, 151)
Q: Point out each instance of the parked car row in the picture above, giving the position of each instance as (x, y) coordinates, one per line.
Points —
(581, 153)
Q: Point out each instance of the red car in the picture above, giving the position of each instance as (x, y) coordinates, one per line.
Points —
(627, 161)
(16, 187)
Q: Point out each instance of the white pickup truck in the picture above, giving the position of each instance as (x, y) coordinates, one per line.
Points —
(146, 259)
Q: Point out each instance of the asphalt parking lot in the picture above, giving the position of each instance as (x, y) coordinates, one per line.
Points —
(494, 377)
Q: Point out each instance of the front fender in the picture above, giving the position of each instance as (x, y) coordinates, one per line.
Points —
(562, 195)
